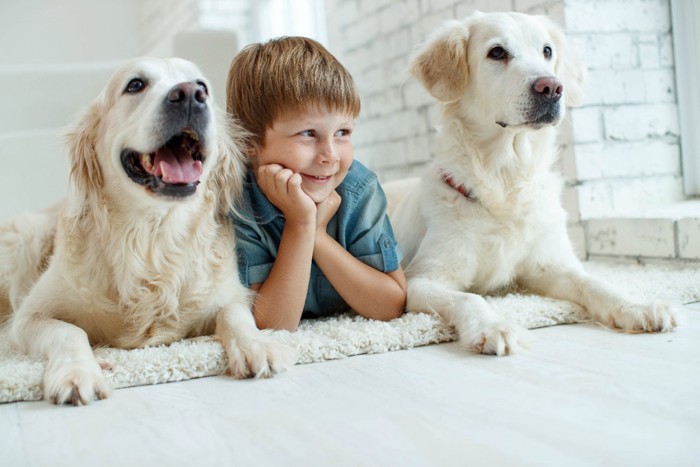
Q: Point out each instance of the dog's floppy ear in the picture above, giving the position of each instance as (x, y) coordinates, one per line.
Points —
(568, 67)
(441, 63)
(85, 173)
(229, 173)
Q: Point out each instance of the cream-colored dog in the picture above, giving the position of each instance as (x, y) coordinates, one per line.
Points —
(487, 213)
(142, 251)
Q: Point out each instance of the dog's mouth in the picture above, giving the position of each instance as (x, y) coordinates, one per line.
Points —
(173, 170)
(545, 115)
(538, 116)
(539, 121)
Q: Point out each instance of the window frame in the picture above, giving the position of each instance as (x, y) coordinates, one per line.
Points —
(685, 16)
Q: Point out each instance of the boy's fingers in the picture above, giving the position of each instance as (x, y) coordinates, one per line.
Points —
(265, 171)
(295, 180)
(282, 181)
(283, 175)
(273, 179)
(294, 187)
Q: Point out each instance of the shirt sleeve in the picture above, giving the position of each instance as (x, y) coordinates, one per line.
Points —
(369, 235)
(255, 259)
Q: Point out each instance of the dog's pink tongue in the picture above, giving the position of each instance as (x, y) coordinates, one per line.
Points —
(176, 166)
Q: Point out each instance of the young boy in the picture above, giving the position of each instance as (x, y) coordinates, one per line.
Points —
(313, 235)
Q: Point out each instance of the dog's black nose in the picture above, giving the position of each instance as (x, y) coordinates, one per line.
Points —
(548, 87)
(194, 93)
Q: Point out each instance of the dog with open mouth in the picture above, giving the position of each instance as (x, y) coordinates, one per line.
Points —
(142, 251)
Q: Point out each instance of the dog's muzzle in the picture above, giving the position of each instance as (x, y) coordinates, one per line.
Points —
(175, 167)
(546, 105)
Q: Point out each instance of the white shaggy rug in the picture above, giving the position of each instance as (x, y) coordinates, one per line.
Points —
(349, 334)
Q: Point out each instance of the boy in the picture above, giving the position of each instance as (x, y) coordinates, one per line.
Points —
(313, 235)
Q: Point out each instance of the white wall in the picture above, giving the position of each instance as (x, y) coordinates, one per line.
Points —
(627, 133)
(46, 31)
(57, 55)
(620, 150)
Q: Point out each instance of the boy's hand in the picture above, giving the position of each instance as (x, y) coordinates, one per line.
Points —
(283, 188)
(326, 210)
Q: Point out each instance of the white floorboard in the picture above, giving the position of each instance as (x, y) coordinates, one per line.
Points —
(582, 395)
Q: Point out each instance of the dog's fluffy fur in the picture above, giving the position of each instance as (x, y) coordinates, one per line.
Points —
(142, 251)
(502, 81)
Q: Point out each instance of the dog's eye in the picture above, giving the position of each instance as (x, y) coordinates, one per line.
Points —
(135, 85)
(203, 85)
(547, 52)
(498, 53)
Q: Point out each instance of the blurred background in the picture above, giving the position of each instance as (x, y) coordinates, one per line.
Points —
(629, 154)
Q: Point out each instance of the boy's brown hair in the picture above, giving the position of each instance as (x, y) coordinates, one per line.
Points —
(286, 74)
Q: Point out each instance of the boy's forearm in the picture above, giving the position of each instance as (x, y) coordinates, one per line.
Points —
(280, 299)
(372, 293)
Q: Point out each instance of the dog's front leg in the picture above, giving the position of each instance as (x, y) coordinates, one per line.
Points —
(72, 374)
(604, 303)
(479, 328)
(250, 352)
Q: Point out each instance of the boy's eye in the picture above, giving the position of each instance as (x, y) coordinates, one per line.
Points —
(343, 132)
(307, 133)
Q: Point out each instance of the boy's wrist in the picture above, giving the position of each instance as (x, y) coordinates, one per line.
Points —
(301, 226)
(321, 238)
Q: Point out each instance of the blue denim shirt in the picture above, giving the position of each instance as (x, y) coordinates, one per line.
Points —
(361, 226)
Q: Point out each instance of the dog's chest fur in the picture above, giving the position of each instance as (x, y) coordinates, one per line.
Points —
(517, 203)
(154, 281)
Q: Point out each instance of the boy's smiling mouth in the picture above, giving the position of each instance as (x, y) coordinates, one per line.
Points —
(317, 178)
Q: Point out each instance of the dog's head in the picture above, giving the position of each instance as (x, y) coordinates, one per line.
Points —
(154, 134)
(507, 69)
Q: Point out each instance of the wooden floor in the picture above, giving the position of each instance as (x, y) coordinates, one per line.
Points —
(582, 395)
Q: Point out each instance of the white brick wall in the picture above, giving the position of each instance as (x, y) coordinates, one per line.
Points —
(627, 132)
(624, 151)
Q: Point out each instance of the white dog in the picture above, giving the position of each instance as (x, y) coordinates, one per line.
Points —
(487, 213)
(142, 251)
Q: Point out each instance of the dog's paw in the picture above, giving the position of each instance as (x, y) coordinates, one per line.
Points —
(644, 317)
(496, 338)
(74, 381)
(259, 357)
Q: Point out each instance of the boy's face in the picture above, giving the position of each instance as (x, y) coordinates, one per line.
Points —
(314, 143)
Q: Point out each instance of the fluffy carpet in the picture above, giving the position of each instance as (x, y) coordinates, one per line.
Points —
(349, 334)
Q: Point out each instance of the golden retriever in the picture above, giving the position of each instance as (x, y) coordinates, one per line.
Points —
(142, 251)
(487, 212)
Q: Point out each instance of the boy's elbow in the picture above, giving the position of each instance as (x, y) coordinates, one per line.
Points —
(291, 327)
(394, 312)
(275, 326)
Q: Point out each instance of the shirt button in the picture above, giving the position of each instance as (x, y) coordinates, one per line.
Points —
(387, 243)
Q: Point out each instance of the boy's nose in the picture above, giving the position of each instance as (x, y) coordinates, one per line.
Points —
(326, 152)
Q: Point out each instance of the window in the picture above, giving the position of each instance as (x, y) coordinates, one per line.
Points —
(686, 40)
(290, 18)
